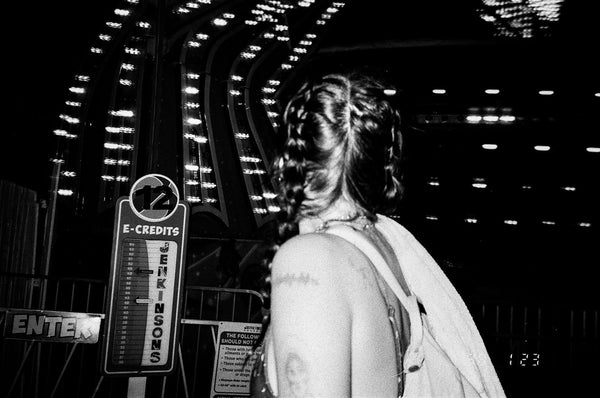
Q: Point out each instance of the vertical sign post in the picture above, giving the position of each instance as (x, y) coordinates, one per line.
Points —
(146, 281)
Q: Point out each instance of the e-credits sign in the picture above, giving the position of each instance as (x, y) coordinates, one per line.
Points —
(146, 279)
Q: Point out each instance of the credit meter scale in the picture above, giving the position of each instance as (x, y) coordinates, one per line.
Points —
(146, 280)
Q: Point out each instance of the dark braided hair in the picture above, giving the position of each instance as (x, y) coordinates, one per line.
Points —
(341, 138)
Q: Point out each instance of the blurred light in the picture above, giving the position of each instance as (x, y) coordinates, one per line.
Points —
(201, 36)
(526, 186)
(286, 66)
(546, 92)
(274, 209)
(541, 148)
(242, 136)
(249, 159)
(107, 178)
(55, 160)
(438, 91)
(492, 91)
(205, 170)
(570, 189)
(252, 171)
(269, 195)
(593, 149)
(507, 118)
(82, 78)
(235, 93)
(132, 51)
(546, 222)
(490, 118)
(126, 66)
(268, 101)
(268, 90)
(73, 103)
(77, 90)
(584, 224)
(489, 146)
(121, 12)
(274, 82)
(125, 82)
(194, 199)
(122, 113)
(63, 133)
(236, 78)
(268, 35)
(96, 50)
(193, 121)
(105, 37)
(143, 25)
(272, 114)
(433, 183)
(511, 222)
(192, 167)
(247, 55)
(114, 25)
(432, 218)
(193, 76)
(259, 210)
(471, 220)
(480, 185)
(120, 162)
(208, 185)
(219, 22)
(192, 105)
(310, 36)
(119, 130)
(68, 173)
(191, 90)
(114, 145)
(473, 118)
(228, 15)
(122, 178)
(65, 192)
(199, 139)
(192, 182)
(389, 91)
(69, 119)
(597, 94)
(182, 10)
(193, 44)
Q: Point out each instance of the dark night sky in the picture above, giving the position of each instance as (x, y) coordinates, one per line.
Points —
(42, 51)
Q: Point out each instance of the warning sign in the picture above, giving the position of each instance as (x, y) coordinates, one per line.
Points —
(146, 282)
(232, 368)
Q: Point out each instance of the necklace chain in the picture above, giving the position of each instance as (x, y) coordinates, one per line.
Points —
(351, 218)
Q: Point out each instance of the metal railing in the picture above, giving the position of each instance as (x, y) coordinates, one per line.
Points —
(527, 343)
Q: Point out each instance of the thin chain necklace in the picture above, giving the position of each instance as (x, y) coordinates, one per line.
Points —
(352, 218)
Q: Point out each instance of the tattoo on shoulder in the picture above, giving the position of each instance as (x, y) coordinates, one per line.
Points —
(297, 376)
(290, 279)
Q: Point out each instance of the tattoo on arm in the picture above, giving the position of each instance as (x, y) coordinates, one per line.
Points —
(296, 376)
(290, 279)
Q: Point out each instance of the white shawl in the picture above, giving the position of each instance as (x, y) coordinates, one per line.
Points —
(450, 322)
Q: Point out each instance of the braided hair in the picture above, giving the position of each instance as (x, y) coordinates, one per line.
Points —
(341, 138)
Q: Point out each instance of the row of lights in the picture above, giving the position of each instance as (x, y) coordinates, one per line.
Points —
(78, 92)
(200, 178)
(120, 128)
(512, 222)
(540, 148)
(481, 183)
(489, 91)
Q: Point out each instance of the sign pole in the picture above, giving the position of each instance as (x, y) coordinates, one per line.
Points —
(136, 387)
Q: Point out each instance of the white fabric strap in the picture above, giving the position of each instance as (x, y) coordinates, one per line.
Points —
(413, 357)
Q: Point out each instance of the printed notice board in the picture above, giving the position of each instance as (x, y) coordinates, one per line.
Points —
(232, 367)
(146, 280)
